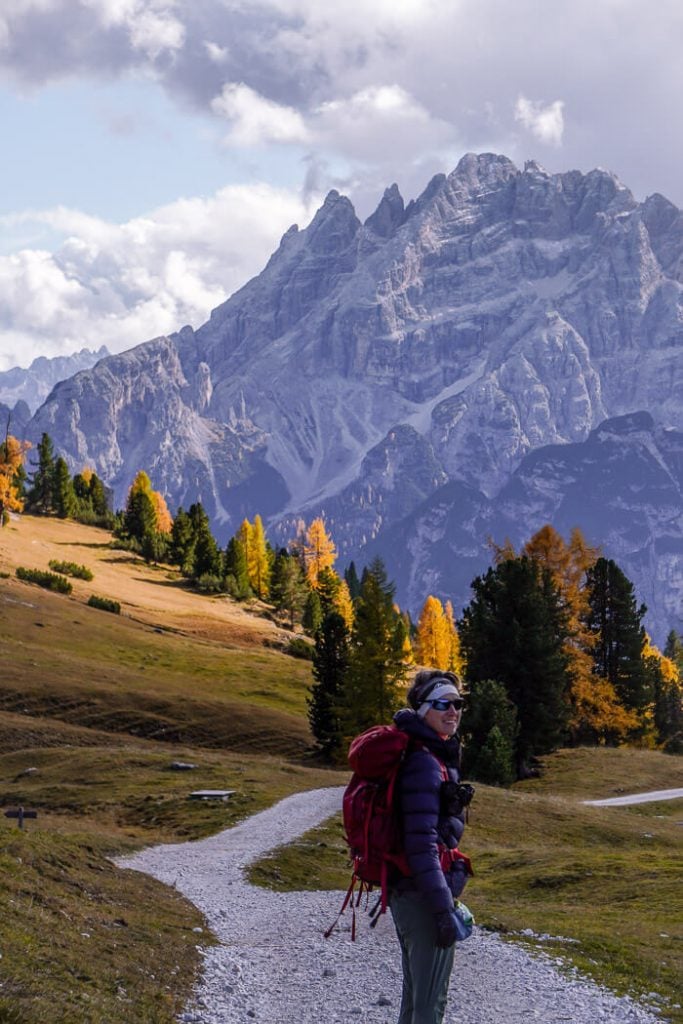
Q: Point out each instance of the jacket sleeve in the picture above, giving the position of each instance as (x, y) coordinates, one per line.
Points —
(420, 790)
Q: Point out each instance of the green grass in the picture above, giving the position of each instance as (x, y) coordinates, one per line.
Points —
(608, 877)
(67, 661)
(102, 944)
(99, 706)
(83, 942)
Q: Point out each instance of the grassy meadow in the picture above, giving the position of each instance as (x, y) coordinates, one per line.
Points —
(95, 707)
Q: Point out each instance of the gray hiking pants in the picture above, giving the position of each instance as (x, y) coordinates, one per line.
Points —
(426, 968)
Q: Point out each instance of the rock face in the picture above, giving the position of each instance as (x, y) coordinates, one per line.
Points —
(408, 368)
(33, 385)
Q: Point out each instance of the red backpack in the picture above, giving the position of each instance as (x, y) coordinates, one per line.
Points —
(370, 823)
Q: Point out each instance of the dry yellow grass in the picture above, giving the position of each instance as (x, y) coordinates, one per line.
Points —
(147, 593)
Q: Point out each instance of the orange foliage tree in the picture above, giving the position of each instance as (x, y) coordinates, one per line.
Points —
(433, 638)
(319, 551)
(12, 454)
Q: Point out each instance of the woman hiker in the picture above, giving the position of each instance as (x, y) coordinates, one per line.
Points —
(422, 905)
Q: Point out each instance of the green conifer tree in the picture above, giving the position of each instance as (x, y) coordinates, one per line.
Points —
(352, 581)
(616, 620)
(236, 570)
(40, 495)
(515, 630)
(63, 497)
(313, 614)
(376, 675)
(489, 732)
(288, 587)
(330, 665)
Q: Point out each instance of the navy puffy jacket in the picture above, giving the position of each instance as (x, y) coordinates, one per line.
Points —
(425, 823)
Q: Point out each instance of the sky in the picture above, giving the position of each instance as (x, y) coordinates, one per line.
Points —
(154, 151)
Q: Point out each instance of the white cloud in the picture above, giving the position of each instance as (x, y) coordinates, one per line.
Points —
(123, 284)
(218, 54)
(379, 121)
(256, 120)
(546, 123)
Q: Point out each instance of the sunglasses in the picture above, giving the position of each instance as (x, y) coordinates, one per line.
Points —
(444, 703)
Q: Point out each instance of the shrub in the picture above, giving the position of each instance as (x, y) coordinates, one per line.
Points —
(209, 584)
(80, 572)
(49, 580)
(300, 648)
(105, 604)
(126, 544)
(4, 575)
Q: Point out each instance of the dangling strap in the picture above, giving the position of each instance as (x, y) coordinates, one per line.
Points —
(347, 899)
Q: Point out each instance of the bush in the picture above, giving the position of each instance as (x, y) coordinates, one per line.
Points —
(80, 572)
(105, 604)
(49, 580)
(4, 575)
(209, 584)
(300, 648)
(126, 544)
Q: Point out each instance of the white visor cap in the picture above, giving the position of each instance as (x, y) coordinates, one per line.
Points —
(445, 689)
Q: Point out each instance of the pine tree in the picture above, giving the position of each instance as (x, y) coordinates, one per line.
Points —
(376, 676)
(319, 551)
(489, 732)
(40, 494)
(665, 717)
(330, 665)
(63, 496)
(154, 547)
(514, 630)
(313, 613)
(181, 548)
(616, 621)
(139, 516)
(288, 586)
(208, 560)
(236, 570)
(352, 581)
(433, 638)
(98, 496)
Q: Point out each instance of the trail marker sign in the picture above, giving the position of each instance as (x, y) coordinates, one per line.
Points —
(21, 815)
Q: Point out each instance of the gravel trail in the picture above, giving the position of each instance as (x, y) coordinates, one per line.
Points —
(273, 965)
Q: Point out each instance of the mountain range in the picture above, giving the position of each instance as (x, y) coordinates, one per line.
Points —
(32, 385)
(501, 352)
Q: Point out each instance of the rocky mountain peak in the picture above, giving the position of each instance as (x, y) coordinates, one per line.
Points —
(334, 226)
(462, 353)
(389, 215)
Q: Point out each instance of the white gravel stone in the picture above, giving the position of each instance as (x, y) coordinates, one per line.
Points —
(273, 965)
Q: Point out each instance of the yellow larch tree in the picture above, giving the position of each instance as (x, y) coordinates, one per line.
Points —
(258, 563)
(245, 537)
(319, 551)
(456, 661)
(343, 604)
(433, 639)
(12, 454)
(163, 516)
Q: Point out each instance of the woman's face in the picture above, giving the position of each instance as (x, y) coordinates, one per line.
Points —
(444, 722)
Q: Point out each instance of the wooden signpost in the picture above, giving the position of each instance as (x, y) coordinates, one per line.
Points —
(21, 815)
